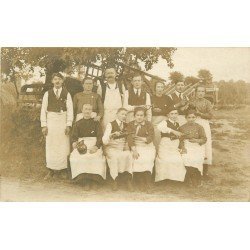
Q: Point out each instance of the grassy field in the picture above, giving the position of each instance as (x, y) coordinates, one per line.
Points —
(23, 169)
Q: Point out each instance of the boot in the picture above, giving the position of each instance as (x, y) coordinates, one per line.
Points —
(49, 175)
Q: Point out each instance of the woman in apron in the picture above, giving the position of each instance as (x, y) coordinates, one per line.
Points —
(192, 148)
(140, 140)
(88, 97)
(160, 106)
(169, 164)
(204, 114)
(91, 163)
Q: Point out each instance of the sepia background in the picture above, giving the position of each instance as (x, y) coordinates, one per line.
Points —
(224, 71)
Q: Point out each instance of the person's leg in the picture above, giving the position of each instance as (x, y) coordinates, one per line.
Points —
(148, 181)
(49, 175)
(188, 177)
(115, 184)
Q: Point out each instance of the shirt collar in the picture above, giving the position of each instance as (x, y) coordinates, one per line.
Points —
(142, 123)
(60, 90)
(178, 93)
(112, 85)
(118, 122)
(135, 90)
(172, 121)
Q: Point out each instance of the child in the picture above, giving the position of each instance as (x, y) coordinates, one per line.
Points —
(117, 152)
(142, 147)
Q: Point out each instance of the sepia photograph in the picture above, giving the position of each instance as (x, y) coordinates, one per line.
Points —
(127, 124)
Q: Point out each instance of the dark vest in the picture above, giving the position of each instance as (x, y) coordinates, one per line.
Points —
(172, 126)
(105, 86)
(134, 100)
(116, 128)
(175, 98)
(57, 105)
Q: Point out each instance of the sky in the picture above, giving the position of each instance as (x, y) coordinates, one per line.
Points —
(223, 63)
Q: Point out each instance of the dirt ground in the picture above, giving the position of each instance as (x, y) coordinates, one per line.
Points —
(230, 172)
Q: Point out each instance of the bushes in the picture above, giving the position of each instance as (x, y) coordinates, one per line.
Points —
(233, 93)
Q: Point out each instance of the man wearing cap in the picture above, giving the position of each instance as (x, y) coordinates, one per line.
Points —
(56, 121)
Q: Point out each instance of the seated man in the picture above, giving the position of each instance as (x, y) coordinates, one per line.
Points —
(118, 154)
(89, 161)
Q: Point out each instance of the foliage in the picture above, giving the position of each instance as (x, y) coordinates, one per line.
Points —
(205, 76)
(191, 80)
(58, 59)
(175, 77)
(233, 93)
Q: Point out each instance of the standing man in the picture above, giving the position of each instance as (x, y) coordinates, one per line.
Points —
(56, 121)
(179, 101)
(112, 96)
(135, 97)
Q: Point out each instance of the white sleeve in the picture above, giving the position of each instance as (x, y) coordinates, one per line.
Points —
(125, 102)
(107, 133)
(162, 126)
(149, 111)
(43, 115)
(70, 113)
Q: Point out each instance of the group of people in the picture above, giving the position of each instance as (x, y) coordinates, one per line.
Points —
(126, 133)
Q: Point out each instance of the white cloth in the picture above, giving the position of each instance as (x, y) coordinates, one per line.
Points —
(57, 143)
(113, 101)
(130, 108)
(181, 120)
(146, 159)
(169, 164)
(194, 156)
(88, 163)
(44, 112)
(208, 146)
(155, 121)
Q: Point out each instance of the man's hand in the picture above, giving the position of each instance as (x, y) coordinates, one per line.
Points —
(45, 131)
(177, 133)
(93, 149)
(97, 118)
(67, 130)
(135, 154)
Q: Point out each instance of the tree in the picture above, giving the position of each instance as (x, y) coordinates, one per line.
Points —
(191, 80)
(205, 76)
(176, 76)
(58, 59)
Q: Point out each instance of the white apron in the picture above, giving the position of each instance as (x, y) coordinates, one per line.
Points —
(112, 103)
(146, 159)
(118, 157)
(155, 121)
(194, 156)
(208, 146)
(169, 164)
(88, 163)
(57, 143)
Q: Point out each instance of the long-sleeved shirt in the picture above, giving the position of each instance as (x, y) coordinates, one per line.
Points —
(193, 131)
(204, 106)
(69, 106)
(87, 128)
(144, 129)
(131, 108)
(163, 102)
(88, 98)
(163, 126)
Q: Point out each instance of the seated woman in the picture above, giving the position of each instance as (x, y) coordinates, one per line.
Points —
(140, 140)
(160, 106)
(204, 114)
(91, 164)
(169, 164)
(117, 152)
(88, 97)
(192, 146)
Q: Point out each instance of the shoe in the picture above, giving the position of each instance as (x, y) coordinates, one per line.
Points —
(49, 175)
